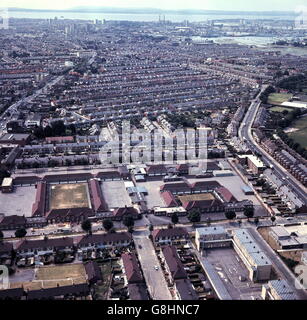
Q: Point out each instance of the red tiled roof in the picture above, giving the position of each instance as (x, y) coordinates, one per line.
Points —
(169, 233)
(201, 204)
(66, 213)
(13, 220)
(132, 269)
(59, 139)
(106, 237)
(67, 177)
(226, 194)
(26, 180)
(98, 201)
(108, 174)
(6, 247)
(205, 185)
(93, 271)
(120, 212)
(156, 168)
(57, 243)
(174, 264)
(38, 207)
(176, 187)
(182, 167)
(169, 199)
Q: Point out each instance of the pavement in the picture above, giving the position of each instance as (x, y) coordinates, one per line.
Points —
(155, 280)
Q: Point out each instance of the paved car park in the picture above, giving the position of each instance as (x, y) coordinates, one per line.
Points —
(153, 188)
(115, 194)
(19, 202)
(233, 273)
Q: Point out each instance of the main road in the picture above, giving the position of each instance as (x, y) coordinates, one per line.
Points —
(245, 134)
(14, 107)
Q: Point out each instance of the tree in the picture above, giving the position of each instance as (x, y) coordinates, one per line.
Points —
(87, 226)
(174, 218)
(107, 224)
(1, 236)
(249, 212)
(273, 219)
(150, 228)
(128, 221)
(256, 220)
(230, 215)
(208, 222)
(20, 233)
(194, 216)
(130, 229)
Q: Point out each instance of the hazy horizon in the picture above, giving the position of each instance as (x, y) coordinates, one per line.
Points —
(220, 5)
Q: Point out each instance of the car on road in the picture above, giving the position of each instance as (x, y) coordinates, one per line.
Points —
(156, 268)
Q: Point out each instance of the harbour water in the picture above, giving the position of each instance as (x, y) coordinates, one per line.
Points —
(135, 17)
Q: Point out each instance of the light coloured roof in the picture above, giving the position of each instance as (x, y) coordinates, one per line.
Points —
(283, 290)
(211, 230)
(251, 247)
(7, 182)
(280, 231)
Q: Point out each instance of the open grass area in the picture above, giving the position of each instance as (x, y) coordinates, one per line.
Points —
(300, 136)
(101, 290)
(69, 196)
(196, 197)
(53, 276)
(279, 98)
(63, 272)
(280, 109)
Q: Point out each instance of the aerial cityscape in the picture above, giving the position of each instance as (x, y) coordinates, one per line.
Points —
(153, 154)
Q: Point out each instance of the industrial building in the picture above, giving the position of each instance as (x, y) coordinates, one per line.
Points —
(278, 290)
(256, 261)
(212, 237)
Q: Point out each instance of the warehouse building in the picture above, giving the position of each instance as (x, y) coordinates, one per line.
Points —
(212, 237)
(256, 261)
(278, 290)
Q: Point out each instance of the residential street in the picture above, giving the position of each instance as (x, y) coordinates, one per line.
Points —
(155, 280)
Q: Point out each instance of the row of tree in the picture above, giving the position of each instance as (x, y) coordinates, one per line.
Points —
(56, 129)
(108, 224)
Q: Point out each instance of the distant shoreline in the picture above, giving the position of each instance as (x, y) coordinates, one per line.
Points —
(159, 11)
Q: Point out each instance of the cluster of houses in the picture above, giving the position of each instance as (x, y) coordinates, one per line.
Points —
(219, 198)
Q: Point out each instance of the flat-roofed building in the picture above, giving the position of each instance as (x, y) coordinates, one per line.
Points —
(163, 211)
(278, 290)
(285, 240)
(255, 164)
(256, 261)
(7, 185)
(212, 237)
(279, 233)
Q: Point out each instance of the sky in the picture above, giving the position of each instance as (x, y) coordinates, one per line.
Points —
(231, 5)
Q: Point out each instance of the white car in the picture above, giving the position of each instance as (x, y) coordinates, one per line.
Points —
(156, 268)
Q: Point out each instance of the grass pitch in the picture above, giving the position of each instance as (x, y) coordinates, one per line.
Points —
(53, 276)
(63, 196)
(64, 272)
(196, 197)
(279, 98)
(300, 136)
